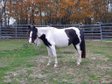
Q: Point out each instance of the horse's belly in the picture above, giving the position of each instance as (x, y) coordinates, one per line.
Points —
(61, 40)
(61, 44)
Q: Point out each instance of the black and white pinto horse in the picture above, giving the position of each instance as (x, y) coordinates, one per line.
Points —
(53, 37)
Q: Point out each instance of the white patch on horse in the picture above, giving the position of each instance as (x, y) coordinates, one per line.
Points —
(30, 37)
(59, 37)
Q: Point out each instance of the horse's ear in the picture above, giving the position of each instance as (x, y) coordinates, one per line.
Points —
(29, 27)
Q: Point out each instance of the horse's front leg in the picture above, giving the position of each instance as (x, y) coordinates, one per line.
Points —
(50, 55)
(53, 50)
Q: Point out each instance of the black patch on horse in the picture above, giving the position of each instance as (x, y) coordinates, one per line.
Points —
(46, 42)
(73, 38)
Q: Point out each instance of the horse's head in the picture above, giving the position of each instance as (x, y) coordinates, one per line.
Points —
(32, 33)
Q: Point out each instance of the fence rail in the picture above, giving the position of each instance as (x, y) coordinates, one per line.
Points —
(93, 31)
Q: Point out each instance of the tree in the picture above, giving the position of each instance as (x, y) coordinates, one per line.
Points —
(99, 9)
(3, 13)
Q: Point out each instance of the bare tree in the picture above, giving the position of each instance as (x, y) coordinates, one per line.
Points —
(3, 13)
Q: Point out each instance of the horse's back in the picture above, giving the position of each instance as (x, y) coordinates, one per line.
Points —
(61, 37)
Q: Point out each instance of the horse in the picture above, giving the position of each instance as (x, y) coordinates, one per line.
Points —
(53, 37)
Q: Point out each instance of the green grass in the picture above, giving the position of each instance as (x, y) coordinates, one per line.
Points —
(22, 63)
(15, 54)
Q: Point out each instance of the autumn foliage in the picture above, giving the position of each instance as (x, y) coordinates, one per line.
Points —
(57, 11)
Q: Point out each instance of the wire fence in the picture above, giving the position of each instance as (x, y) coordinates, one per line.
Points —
(93, 31)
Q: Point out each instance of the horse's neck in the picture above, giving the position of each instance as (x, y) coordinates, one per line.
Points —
(43, 30)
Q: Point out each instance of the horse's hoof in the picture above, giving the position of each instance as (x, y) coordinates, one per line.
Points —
(78, 64)
(48, 64)
(55, 66)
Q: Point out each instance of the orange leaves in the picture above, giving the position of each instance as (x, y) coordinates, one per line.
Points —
(69, 2)
(57, 9)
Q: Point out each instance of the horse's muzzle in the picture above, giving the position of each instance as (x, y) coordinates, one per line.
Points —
(30, 40)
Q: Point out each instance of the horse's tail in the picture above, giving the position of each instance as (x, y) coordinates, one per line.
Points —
(82, 45)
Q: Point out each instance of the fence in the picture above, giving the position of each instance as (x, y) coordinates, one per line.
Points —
(13, 32)
(93, 31)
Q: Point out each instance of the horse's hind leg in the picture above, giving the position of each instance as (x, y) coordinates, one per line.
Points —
(79, 53)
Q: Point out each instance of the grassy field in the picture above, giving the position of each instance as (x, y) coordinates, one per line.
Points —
(22, 63)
